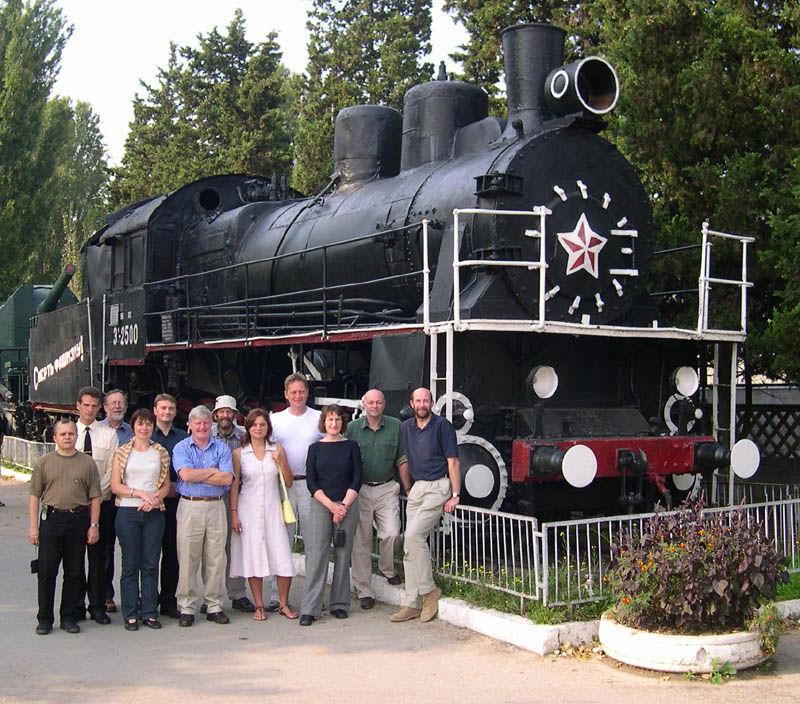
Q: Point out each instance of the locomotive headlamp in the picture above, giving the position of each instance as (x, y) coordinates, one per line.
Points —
(543, 380)
(685, 381)
(589, 85)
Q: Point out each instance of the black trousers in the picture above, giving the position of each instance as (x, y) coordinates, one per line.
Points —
(169, 556)
(97, 581)
(62, 538)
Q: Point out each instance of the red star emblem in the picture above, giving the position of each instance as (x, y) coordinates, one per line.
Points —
(582, 246)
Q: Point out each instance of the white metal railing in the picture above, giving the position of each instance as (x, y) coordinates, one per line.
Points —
(577, 554)
(705, 279)
(24, 453)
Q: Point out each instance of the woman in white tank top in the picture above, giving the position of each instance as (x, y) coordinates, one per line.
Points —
(140, 481)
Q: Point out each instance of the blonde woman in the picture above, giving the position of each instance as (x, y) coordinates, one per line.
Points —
(140, 481)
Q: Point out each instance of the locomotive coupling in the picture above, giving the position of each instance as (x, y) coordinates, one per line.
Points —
(578, 464)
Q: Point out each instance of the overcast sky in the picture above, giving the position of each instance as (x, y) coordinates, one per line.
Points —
(116, 44)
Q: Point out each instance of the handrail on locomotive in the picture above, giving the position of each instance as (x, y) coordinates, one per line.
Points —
(253, 305)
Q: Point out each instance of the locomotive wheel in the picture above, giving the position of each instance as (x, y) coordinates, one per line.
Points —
(484, 477)
(462, 409)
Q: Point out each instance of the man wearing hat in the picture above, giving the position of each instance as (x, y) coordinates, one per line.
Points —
(225, 430)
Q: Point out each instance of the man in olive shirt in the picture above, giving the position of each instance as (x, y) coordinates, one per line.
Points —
(380, 441)
(68, 485)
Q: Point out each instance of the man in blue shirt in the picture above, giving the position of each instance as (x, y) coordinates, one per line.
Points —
(432, 452)
(205, 473)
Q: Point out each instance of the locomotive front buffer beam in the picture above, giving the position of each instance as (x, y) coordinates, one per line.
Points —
(580, 461)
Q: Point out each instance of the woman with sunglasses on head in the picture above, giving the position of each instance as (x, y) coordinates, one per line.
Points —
(259, 543)
(333, 477)
(140, 481)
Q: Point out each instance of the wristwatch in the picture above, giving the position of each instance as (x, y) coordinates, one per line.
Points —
(455, 496)
(94, 525)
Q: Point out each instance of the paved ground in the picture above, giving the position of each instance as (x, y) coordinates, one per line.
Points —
(364, 659)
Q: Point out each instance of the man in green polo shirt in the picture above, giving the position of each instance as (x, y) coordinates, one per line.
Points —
(381, 443)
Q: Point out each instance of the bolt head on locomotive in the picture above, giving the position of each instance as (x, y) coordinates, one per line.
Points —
(504, 262)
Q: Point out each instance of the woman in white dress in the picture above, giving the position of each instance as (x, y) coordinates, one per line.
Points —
(259, 544)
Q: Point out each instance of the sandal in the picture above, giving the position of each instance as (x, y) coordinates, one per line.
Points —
(260, 614)
(287, 612)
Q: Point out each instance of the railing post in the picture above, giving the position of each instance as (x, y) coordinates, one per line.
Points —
(426, 279)
(456, 272)
(325, 291)
(246, 302)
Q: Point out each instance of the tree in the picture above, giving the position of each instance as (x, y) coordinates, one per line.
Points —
(223, 107)
(359, 51)
(711, 119)
(32, 37)
(484, 20)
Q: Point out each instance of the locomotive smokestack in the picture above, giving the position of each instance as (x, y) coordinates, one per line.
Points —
(530, 52)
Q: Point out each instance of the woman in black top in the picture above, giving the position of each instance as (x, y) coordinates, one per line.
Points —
(333, 476)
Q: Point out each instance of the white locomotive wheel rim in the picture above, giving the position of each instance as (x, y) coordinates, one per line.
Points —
(579, 466)
(671, 424)
(502, 474)
(469, 412)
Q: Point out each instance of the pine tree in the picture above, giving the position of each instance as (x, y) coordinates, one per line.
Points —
(220, 107)
(359, 51)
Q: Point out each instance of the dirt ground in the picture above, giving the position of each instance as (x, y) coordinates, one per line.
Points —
(363, 659)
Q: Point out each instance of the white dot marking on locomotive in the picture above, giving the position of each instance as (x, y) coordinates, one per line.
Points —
(598, 301)
(582, 187)
(552, 292)
(606, 201)
(575, 305)
(618, 286)
(622, 222)
(560, 192)
(479, 481)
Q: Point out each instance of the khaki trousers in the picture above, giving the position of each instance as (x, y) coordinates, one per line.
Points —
(381, 504)
(424, 509)
(202, 529)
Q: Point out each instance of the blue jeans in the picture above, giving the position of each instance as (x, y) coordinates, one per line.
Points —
(139, 534)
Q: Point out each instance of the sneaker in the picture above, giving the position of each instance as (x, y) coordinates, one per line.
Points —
(405, 614)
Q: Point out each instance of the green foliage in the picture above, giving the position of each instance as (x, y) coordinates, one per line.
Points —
(767, 622)
(791, 589)
(222, 107)
(32, 38)
(720, 671)
(359, 51)
(695, 572)
(484, 20)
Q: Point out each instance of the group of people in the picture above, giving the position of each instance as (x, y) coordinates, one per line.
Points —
(212, 499)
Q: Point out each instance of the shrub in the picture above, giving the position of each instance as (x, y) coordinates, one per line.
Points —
(695, 572)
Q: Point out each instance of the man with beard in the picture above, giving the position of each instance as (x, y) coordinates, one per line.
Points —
(115, 404)
(225, 430)
(432, 452)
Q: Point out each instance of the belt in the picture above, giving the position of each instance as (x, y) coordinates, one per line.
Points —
(299, 476)
(77, 509)
(385, 481)
(202, 498)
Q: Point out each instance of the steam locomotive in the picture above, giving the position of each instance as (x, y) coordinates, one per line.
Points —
(501, 262)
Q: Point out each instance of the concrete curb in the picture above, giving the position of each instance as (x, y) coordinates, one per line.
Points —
(516, 630)
(19, 476)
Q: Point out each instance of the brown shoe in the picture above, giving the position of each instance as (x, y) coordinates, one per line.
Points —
(111, 607)
(405, 614)
(218, 617)
(430, 605)
(186, 620)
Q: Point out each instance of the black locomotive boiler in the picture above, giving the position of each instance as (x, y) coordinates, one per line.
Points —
(502, 262)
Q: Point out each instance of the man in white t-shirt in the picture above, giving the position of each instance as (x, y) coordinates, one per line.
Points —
(295, 428)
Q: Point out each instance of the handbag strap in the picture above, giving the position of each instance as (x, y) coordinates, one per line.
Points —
(283, 483)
